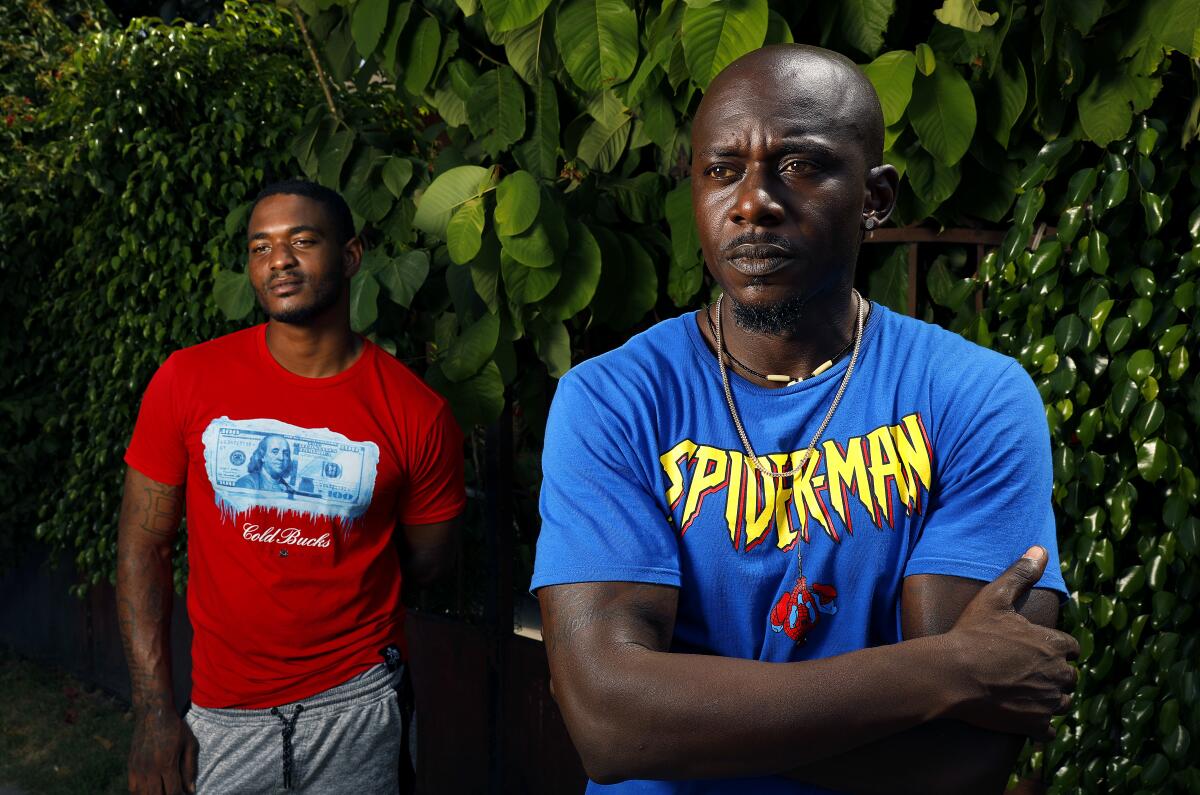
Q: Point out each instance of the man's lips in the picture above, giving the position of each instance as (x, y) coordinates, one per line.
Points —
(285, 287)
(758, 259)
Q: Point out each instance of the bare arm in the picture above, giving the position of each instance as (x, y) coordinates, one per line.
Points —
(149, 523)
(943, 756)
(427, 550)
(636, 710)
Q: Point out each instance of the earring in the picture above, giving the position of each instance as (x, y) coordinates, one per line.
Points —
(870, 223)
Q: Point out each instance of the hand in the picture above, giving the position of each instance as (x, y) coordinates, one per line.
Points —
(1017, 674)
(162, 755)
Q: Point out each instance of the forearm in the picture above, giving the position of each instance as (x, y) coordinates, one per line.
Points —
(144, 601)
(643, 719)
(427, 551)
(149, 524)
(943, 756)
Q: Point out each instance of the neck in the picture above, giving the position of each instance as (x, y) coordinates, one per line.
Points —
(321, 348)
(818, 336)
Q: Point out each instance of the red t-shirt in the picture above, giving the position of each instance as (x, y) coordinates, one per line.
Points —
(294, 486)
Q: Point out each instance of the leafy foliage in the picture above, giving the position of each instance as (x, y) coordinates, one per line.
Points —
(113, 199)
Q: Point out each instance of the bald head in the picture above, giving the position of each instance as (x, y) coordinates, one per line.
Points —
(821, 85)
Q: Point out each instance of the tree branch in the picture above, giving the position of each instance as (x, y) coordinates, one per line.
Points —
(312, 51)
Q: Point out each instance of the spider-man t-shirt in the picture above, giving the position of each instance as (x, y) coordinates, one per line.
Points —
(936, 461)
(294, 487)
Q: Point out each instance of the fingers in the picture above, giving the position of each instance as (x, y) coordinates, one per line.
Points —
(1019, 578)
(191, 750)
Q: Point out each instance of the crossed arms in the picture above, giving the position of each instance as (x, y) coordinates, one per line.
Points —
(981, 667)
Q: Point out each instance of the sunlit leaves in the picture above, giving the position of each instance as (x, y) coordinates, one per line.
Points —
(892, 75)
(965, 14)
(717, 34)
(421, 56)
(451, 189)
(942, 112)
(511, 14)
(496, 110)
(862, 23)
(367, 24)
(598, 42)
(464, 231)
(517, 203)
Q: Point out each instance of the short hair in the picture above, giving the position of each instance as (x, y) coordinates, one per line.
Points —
(331, 200)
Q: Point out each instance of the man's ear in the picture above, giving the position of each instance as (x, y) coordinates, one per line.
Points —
(883, 182)
(352, 254)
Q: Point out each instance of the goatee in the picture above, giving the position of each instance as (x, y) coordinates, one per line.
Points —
(774, 319)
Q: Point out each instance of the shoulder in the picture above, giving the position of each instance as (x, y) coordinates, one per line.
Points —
(646, 364)
(217, 352)
(954, 368)
(401, 384)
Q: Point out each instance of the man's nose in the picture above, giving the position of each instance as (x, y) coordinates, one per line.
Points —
(282, 257)
(756, 203)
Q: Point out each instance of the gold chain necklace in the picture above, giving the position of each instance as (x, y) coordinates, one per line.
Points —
(737, 421)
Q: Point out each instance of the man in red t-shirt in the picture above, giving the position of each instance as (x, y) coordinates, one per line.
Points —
(314, 468)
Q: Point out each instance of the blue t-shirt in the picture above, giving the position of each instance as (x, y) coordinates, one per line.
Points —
(937, 461)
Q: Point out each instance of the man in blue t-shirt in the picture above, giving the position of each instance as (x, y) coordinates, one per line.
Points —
(788, 567)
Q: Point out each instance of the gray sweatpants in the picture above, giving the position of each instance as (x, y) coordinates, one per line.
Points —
(345, 739)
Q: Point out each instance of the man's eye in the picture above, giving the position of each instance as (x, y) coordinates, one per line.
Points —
(798, 166)
(719, 172)
(303, 242)
(258, 250)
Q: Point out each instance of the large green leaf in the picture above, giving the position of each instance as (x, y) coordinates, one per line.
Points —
(517, 201)
(539, 154)
(530, 50)
(580, 275)
(471, 349)
(604, 142)
(888, 284)
(422, 55)
(965, 14)
(526, 285)
(942, 112)
(1009, 93)
(233, 294)
(932, 181)
(404, 275)
(396, 172)
(450, 190)
(389, 56)
(716, 35)
(687, 268)
(364, 301)
(553, 346)
(512, 14)
(478, 400)
(641, 198)
(464, 232)
(862, 22)
(628, 286)
(598, 41)
(892, 75)
(329, 169)
(367, 24)
(496, 110)
(1107, 105)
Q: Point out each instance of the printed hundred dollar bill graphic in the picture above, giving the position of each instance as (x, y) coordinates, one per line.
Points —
(264, 463)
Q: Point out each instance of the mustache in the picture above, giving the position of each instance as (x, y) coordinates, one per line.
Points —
(767, 240)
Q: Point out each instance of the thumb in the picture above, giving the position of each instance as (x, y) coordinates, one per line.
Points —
(1019, 578)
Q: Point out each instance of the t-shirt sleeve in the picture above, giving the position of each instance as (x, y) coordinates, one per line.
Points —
(158, 449)
(436, 490)
(601, 519)
(993, 490)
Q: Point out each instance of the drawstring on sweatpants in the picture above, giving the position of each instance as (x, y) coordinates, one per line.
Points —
(289, 728)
